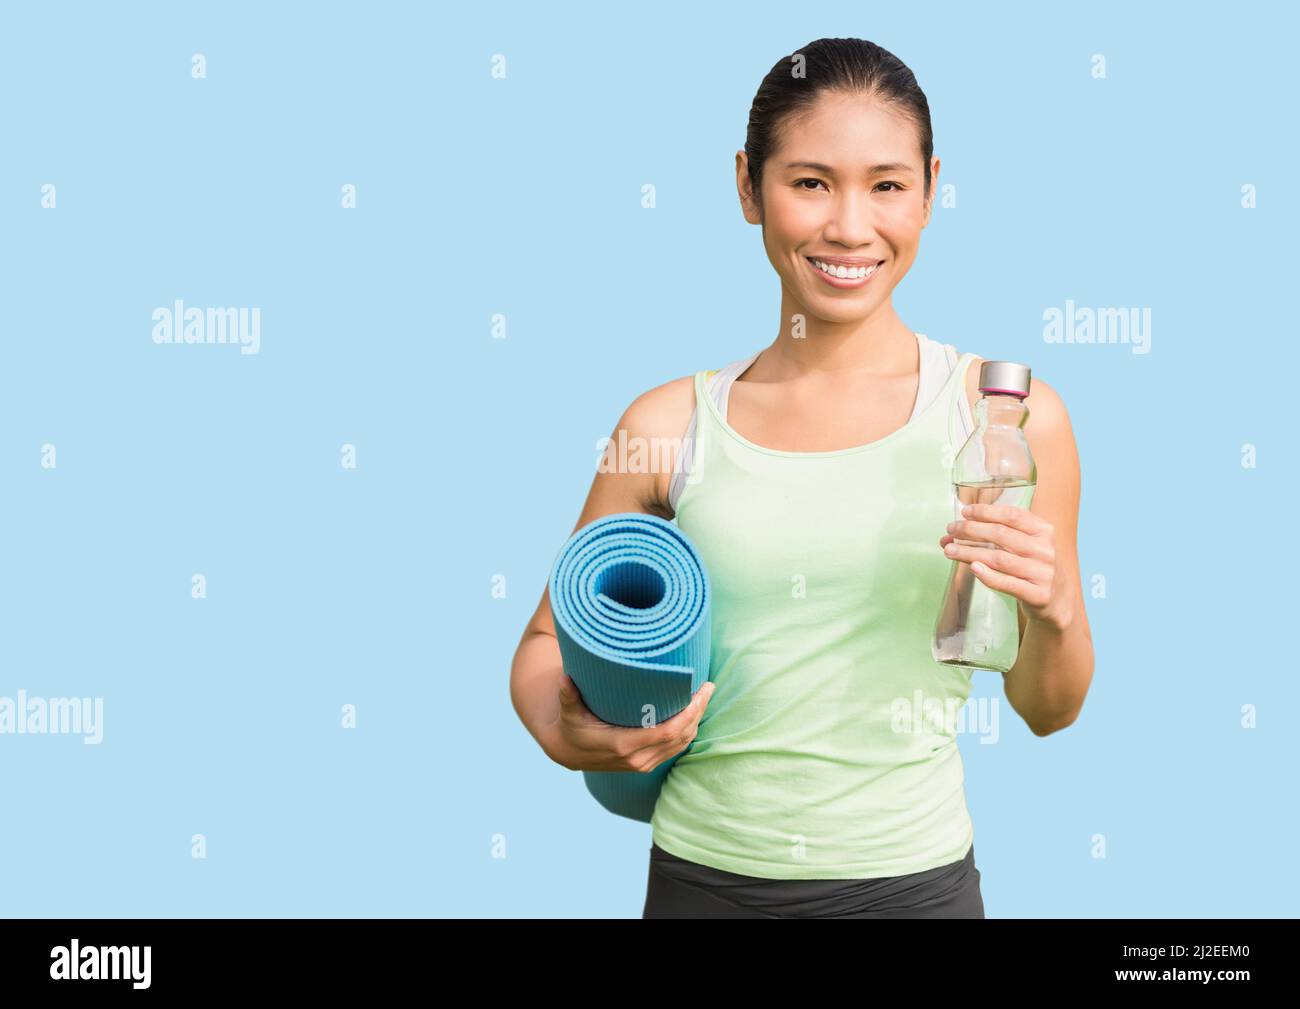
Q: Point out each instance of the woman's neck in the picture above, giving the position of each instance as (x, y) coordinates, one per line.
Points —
(879, 345)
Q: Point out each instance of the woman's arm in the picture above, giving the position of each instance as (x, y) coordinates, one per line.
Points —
(1053, 670)
(537, 672)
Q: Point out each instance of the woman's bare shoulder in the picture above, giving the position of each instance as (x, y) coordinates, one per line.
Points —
(655, 424)
(665, 410)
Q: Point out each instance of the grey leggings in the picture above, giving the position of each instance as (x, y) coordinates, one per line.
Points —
(677, 888)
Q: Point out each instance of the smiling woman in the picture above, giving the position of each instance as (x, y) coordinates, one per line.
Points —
(820, 483)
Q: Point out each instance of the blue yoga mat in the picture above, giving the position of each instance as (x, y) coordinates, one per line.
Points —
(630, 598)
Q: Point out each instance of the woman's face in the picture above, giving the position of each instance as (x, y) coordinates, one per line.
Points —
(845, 187)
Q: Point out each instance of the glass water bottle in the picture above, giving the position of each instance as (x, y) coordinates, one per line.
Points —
(978, 627)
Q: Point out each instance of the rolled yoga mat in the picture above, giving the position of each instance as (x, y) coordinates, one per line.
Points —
(631, 601)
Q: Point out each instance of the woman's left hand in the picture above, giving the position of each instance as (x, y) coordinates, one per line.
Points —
(1024, 566)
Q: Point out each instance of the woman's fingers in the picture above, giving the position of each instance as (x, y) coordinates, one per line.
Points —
(617, 747)
(1012, 515)
(1025, 578)
(1006, 537)
(1003, 561)
(1030, 592)
(671, 737)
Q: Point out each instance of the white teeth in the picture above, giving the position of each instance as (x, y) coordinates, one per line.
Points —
(845, 272)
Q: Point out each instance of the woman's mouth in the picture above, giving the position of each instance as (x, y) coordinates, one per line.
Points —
(840, 275)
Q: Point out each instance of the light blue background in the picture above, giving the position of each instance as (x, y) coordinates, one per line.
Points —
(521, 196)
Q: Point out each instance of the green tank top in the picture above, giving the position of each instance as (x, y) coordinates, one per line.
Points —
(829, 748)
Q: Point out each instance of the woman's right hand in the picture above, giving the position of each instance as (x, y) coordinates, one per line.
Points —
(580, 741)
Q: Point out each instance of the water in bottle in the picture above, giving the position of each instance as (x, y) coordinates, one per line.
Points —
(979, 627)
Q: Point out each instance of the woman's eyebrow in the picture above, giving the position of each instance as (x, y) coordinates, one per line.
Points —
(817, 166)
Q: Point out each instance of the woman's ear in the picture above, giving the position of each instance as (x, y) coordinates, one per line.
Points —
(934, 188)
(749, 202)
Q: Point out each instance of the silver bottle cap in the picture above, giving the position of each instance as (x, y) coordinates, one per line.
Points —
(1004, 377)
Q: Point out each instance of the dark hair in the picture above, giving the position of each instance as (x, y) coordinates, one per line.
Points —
(846, 65)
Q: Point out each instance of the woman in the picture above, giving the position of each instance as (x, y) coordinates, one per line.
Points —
(814, 479)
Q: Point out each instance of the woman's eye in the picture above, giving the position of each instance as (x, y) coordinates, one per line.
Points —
(802, 181)
(897, 187)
